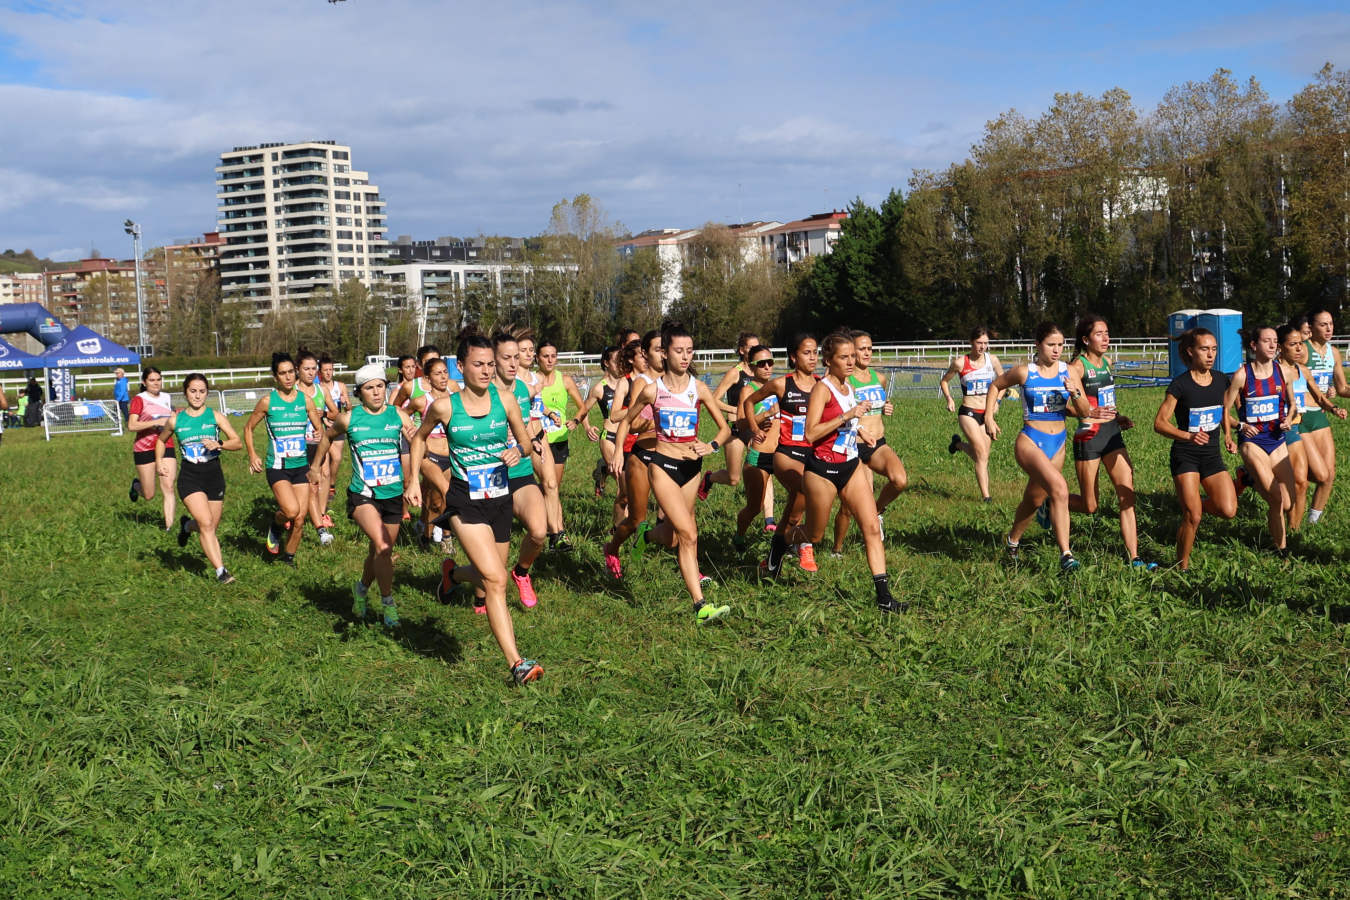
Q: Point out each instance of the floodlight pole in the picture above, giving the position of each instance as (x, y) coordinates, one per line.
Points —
(134, 229)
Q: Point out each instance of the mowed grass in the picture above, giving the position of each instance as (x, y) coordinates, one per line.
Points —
(1014, 734)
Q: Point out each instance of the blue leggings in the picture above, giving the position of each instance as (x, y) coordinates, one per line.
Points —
(1049, 443)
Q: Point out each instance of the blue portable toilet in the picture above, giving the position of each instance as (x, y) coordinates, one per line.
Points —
(1227, 327)
(1178, 322)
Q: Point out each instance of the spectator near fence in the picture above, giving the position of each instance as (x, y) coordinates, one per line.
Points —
(33, 412)
(121, 394)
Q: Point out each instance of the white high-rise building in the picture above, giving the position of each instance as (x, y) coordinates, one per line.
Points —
(294, 218)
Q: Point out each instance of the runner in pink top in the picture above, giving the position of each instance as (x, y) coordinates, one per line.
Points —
(150, 411)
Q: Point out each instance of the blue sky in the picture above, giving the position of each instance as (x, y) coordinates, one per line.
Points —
(477, 118)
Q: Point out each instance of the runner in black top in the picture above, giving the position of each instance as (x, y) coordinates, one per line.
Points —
(729, 391)
(1191, 414)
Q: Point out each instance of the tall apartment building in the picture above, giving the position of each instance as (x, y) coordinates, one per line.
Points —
(295, 218)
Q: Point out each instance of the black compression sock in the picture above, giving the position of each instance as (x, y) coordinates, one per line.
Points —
(882, 583)
(520, 571)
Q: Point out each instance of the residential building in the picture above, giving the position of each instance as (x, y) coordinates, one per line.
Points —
(431, 289)
(184, 262)
(785, 244)
(295, 218)
(22, 287)
(101, 293)
(453, 249)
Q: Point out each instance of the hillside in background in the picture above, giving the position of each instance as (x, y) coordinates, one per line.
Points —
(27, 261)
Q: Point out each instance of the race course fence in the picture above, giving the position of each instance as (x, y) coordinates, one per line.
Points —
(81, 416)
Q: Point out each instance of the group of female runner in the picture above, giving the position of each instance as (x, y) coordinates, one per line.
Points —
(489, 446)
(1283, 399)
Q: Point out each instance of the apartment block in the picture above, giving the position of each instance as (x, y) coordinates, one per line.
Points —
(22, 287)
(784, 243)
(294, 218)
(185, 262)
(101, 294)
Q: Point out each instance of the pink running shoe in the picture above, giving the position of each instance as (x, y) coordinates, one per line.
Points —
(528, 598)
(613, 565)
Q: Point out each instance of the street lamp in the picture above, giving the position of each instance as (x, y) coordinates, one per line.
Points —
(216, 335)
(134, 229)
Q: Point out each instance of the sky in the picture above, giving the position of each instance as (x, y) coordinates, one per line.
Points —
(478, 118)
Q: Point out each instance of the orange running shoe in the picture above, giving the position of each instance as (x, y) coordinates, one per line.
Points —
(806, 558)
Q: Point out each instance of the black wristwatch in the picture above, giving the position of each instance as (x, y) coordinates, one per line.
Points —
(713, 444)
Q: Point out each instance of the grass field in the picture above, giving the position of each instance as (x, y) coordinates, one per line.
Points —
(1015, 734)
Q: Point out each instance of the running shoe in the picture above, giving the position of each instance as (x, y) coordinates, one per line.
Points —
(806, 558)
(770, 526)
(1043, 514)
(639, 543)
(704, 580)
(325, 537)
(774, 564)
(359, 609)
(1011, 548)
(225, 578)
(390, 615)
(326, 521)
(286, 559)
(480, 606)
(888, 604)
(184, 532)
(986, 499)
(135, 489)
(1067, 564)
(526, 670)
(437, 534)
(447, 580)
(705, 486)
(562, 545)
(709, 612)
(836, 554)
(525, 587)
(1242, 479)
(273, 542)
(738, 543)
(613, 566)
(406, 515)
(955, 444)
(1139, 563)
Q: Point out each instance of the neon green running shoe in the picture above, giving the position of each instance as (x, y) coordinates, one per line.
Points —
(358, 602)
(639, 543)
(390, 615)
(709, 612)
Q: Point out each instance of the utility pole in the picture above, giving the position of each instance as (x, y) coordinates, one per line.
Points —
(134, 229)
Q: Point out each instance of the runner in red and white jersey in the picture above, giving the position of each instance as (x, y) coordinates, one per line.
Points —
(150, 411)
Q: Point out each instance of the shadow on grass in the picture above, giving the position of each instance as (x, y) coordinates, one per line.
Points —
(183, 559)
(423, 637)
(964, 542)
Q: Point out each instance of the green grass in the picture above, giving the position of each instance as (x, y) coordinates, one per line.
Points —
(1014, 734)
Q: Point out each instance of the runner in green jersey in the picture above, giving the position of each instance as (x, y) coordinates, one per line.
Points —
(1098, 440)
(870, 385)
(477, 421)
(307, 374)
(202, 434)
(288, 414)
(374, 431)
(1324, 361)
(555, 389)
(527, 499)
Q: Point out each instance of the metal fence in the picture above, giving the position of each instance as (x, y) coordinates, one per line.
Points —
(81, 416)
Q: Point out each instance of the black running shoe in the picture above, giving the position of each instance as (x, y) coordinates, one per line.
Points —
(184, 533)
(888, 604)
(135, 489)
(955, 444)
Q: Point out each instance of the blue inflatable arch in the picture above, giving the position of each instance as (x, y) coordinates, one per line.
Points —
(33, 318)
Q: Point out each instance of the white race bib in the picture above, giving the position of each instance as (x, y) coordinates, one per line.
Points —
(975, 387)
(874, 394)
(846, 442)
(288, 447)
(488, 481)
(1204, 418)
(1106, 396)
(681, 424)
(1262, 409)
(798, 428)
(381, 471)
